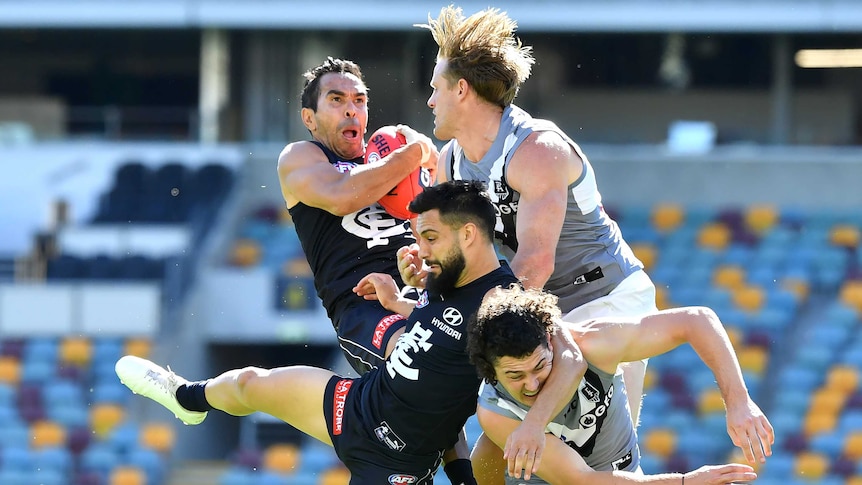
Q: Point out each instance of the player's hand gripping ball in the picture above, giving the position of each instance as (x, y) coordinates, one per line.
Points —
(381, 143)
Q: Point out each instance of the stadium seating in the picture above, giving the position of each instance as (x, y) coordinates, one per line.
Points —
(63, 428)
(785, 283)
(779, 279)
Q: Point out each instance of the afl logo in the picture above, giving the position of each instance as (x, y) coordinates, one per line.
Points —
(398, 478)
(452, 317)
(344, 167)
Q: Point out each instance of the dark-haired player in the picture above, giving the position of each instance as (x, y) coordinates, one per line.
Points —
(331, 196)
(392, 424)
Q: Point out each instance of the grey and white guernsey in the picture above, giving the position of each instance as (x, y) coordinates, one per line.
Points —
(591, 256)
(597, 423)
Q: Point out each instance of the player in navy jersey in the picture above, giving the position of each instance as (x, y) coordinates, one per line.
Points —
(332, 197)
(392, 424)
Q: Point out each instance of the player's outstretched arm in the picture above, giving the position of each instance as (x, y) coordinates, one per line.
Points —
(562, 465)
(607, 342)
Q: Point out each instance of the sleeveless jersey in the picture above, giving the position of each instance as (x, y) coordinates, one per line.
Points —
(597, 423)
(428, 378)
(591, 257)
(341, 250)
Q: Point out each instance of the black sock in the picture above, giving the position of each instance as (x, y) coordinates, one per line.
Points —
(460, 471)
(192, 396)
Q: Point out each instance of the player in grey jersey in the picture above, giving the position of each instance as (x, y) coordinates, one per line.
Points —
(595, 440)
(550, 221)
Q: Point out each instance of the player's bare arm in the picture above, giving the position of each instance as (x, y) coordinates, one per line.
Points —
(607, 342)
(563, 465)
(541, 170)
(525, 444)
(305, 175)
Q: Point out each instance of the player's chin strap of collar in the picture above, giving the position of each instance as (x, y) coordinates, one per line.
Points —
(591, 275)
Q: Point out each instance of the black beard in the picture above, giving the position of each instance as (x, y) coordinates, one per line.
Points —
(450, 271)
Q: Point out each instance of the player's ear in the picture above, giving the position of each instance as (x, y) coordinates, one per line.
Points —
(307, 115)
(463, 87)
(468, 232)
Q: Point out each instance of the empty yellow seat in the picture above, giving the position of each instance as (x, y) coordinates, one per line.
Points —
(667, 217)
(816, 423)
(157, 436)
(245, 252)
(845, 235)
(811, 466)
(826, 400)
(127, 475)
(647, 253)
(76, 351)
(761, 218)
(753, 359)
(749, 298)
(335, 476)
(854, 480)
(139, 347)
(105, 417)
(844, 378)
(714, 236)
(710, 401)
(10, 370)
(731, 277)
(660, 442)
(853, 445)
(851, 294)
(281, 458)
(47, 434)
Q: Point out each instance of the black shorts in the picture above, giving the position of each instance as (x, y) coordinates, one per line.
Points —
(363, 330)
(362, 447)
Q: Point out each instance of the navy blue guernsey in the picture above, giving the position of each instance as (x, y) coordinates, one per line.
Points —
(419, 401)
(341, 250)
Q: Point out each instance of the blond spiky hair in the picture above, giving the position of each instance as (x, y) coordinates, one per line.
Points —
(483, 50)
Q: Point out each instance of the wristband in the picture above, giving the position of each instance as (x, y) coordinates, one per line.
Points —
(460, 472)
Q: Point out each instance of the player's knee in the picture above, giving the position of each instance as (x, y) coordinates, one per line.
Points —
(248, 377)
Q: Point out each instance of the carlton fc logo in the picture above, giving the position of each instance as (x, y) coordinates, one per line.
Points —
(453, 317)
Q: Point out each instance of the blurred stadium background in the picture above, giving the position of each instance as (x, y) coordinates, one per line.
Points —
(140, 213)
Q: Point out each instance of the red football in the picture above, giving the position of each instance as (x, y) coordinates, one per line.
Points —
(381, 143)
